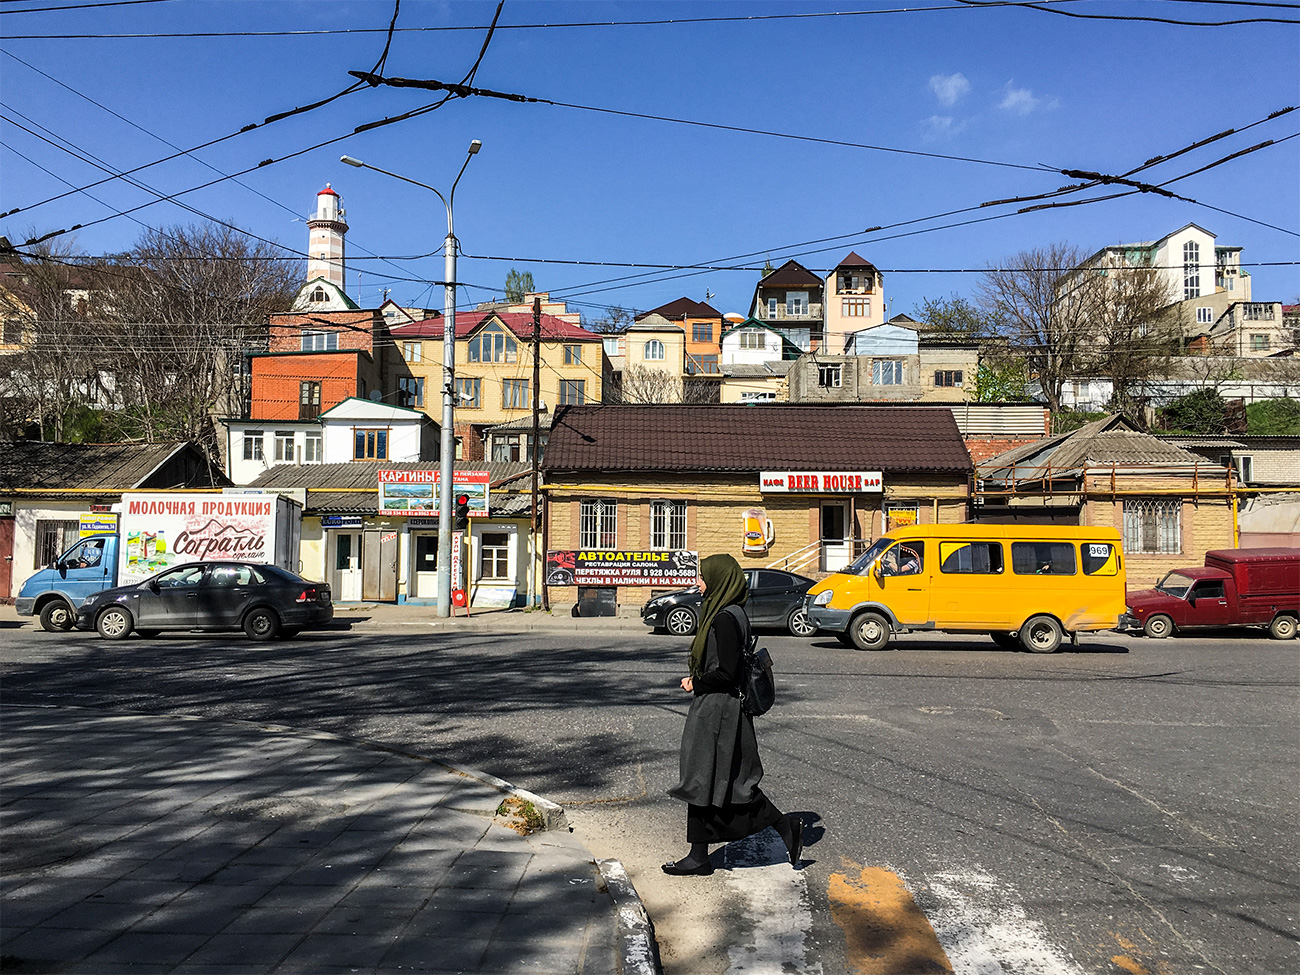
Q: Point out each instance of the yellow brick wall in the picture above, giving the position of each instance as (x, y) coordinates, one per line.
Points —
(1206, 525)
(713, 515)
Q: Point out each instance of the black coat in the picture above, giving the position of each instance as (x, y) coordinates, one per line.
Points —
(719, 753)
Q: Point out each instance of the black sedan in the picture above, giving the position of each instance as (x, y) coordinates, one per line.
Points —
(263, 600)
(775, 599)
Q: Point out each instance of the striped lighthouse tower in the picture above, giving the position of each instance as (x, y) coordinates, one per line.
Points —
(325, 242)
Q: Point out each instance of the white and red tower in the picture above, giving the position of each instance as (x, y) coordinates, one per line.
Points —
(325, 242)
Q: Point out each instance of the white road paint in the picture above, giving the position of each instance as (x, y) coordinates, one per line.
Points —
(774, 899)
(983, 927)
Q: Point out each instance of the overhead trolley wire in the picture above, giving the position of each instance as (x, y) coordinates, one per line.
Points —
(1042, 5)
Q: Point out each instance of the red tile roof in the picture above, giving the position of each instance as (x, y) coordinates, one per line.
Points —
(520, 323)
(891, 439)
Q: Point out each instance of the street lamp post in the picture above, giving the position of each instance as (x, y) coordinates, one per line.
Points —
(447, 462)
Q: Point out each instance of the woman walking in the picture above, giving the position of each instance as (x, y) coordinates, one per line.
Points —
(720, 767)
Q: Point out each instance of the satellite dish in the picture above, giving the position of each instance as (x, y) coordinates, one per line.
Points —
(376, 395)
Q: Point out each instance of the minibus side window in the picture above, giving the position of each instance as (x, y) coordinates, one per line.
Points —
(905, 559)
(976, 558)
(1042, 558)
(1100, 558)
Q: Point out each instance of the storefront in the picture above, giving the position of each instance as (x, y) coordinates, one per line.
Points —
(377, 541)
(795, 487)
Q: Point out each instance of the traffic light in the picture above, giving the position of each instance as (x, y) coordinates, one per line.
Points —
(461, 522)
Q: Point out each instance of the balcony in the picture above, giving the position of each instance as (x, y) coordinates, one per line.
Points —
(813, 314)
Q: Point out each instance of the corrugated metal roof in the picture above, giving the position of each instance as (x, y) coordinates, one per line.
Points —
(753, 437)
(28, 464)
(1113, 440)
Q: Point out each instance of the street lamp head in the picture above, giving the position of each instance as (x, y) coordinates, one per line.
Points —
(351, 162)
(474, 147)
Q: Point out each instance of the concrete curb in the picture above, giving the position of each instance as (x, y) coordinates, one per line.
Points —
(640, 952)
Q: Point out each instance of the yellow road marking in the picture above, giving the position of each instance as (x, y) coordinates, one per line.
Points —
(885, 933)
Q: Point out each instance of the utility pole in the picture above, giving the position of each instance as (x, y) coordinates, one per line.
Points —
(536, 443)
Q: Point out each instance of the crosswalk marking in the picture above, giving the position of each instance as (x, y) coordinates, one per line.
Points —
(774, 899)
(985, 929)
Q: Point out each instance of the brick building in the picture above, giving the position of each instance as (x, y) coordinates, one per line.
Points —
(691, 478)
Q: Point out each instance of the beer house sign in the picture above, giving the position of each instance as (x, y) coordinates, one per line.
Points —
(820, 482)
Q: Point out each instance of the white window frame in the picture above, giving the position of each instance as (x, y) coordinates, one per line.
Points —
(314, 340)
(753, 338)
(253, 449)
(796, 303)
(830, 375)
(653, 351)
(1191, 269)
(313, 449)
(1153, 526)
(501, 555)
(667, 525)
(285, 442)
(772, 307)
(887, 372)
(1204, 315)
(598, 525)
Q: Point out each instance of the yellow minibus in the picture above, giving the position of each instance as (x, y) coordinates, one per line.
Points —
(1025, 586)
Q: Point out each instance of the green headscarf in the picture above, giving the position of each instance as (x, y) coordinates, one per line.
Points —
(724, 584)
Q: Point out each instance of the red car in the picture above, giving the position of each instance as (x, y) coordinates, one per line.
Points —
(1235, 587)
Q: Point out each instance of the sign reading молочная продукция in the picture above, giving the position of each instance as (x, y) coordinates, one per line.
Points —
(622, 568)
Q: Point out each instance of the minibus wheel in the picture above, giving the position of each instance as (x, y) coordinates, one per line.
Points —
(869, 631)
(1041, 634)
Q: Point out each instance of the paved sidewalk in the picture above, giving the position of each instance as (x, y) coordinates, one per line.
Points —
(161, 844)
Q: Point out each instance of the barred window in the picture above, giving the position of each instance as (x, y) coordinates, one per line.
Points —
(668, 524)
(598, 525)
(53, 538)
(1153, 526)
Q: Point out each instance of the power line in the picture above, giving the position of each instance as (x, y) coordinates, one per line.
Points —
(683, 21)
(83, 6)
(465, 91)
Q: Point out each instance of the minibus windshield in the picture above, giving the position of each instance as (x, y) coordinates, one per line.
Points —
(1174, 584)
(863, 561)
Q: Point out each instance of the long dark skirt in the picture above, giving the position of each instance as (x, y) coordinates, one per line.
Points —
(723, 824)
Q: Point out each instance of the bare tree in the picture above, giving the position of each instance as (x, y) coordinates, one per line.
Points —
(616, 319)
(181, 305)
(1138, 328)
(49, 304)
(642, 384)
(1044, 317)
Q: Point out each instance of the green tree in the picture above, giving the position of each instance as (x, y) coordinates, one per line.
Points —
(518, 285)
(1273, 418)
(955, 316)
(1203, 412)
(1006, 382)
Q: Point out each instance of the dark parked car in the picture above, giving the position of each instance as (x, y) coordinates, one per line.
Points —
(263, 600)
(775, 599)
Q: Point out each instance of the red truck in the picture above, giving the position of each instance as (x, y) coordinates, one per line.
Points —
(1235, 587)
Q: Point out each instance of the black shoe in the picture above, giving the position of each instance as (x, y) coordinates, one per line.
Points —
(795, 843)
(684, 868)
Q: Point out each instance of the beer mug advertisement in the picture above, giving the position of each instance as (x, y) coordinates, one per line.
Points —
(569, 568)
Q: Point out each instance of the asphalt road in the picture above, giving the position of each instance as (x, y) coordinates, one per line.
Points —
(1130, 807)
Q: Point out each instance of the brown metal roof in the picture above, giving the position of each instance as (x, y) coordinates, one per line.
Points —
(755, 437)
(683, 308)
(791, 274)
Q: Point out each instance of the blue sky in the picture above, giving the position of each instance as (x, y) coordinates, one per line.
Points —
(1016, 88)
